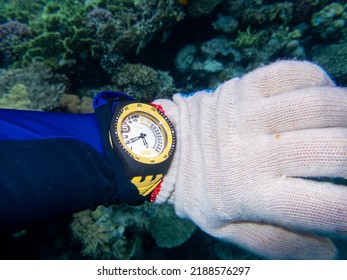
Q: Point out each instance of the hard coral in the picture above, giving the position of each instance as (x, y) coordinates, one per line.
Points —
(12, 34)
(72, 103)
(13, 28)
(330, 22)
(20, 10)
(199, 8)
(132, 24)
(168, 230)
(74, 36)
(110, 233)
(59, 35)
(185, 58)
(333, 58)
(43, 86)
(98, 17)
(249, 38)
(16, 98)
(118, 232)
(301, 10)
(143, 82)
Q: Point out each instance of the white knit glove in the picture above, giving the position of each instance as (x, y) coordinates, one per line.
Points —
(241, 151)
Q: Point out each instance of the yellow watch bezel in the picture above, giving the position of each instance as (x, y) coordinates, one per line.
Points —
(158, 118)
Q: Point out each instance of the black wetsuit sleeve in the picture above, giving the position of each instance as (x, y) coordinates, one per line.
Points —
(57, 164)
(44, 179)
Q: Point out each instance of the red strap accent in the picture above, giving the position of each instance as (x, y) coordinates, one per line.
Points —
(159, 107)
(155, 192)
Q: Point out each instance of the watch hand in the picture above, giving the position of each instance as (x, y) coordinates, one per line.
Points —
(133, 139)
(144, 141)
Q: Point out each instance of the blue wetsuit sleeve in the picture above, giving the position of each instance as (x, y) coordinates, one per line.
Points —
(33, 125)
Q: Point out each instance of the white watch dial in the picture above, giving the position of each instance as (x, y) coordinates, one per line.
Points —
(143, 135)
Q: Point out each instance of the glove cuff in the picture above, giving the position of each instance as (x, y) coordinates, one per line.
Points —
(165, 191)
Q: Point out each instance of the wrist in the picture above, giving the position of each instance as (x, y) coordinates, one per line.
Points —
(165, 191)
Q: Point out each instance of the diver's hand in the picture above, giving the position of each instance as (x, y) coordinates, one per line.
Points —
(242, 154)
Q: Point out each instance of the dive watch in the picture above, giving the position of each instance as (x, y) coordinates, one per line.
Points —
(145, 140)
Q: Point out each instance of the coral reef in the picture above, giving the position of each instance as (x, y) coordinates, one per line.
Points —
(12, 33)
(70, 35)
(330, 22)
(20, 10)
(117, 232)
(142, 82)
(333, 58)
(137, 80)
(16, 98)
(185, 58)
(211, 57)
(249, 33)
(43, 87)
(102, 231)
(225, 23)
(117, 29)
(199, 8)
(72, 103)
(249, 38)
(168, 230)
(301, 10)
(58, 34)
